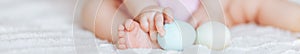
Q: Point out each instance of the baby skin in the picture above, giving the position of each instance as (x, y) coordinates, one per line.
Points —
(262, 12)
(137, 33)
(132, 36)
(107, 27)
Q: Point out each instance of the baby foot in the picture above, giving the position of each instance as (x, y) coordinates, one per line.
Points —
(132, 36)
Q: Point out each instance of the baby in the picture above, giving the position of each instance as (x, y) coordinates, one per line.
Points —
(137, 25)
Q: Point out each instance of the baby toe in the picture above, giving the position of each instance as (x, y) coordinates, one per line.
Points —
(122, 43)
(122, 47)
(121, 28)
(121, 34)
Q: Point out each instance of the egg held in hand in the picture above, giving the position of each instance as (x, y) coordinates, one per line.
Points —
(178, 36)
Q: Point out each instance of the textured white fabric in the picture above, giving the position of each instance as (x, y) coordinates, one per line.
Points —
(45, 27)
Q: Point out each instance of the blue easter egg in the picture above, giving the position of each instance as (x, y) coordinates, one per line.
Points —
(178, 36)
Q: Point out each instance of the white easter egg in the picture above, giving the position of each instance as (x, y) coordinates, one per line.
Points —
(214, 35)
(178, 36)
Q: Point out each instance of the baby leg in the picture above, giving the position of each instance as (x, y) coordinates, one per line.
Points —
(98, 17)
(282, 14)
(103, 25)
(278, 13)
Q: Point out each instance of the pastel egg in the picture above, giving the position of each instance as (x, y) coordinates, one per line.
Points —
(178, 35)
(214, 35)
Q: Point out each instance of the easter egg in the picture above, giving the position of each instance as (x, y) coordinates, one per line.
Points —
(178, 35)
(214, 35)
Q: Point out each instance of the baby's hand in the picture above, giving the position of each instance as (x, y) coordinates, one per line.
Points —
(152, 20)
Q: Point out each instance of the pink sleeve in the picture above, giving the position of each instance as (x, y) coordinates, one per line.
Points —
(183, 9)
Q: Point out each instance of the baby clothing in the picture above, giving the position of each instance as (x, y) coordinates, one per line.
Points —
(182, 9)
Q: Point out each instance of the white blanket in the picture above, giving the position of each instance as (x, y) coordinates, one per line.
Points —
(46, 27)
